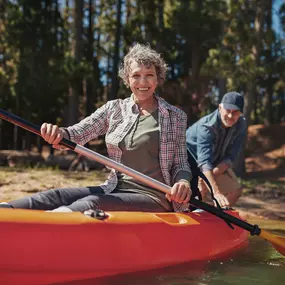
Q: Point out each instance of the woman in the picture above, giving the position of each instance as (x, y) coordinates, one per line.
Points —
(143, 132)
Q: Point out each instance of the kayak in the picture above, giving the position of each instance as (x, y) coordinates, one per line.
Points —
(40, 247)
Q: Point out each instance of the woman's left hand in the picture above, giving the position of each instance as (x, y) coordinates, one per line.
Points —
(180, 192)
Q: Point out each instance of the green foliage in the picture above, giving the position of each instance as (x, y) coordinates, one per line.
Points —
(202, 42)
(247, 54)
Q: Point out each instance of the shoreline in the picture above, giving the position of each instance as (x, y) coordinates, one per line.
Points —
(263, 201)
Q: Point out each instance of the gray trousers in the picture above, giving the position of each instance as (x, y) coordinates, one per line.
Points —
(85, 198)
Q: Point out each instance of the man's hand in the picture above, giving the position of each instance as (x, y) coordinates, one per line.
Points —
(222, 199)
(180, 192)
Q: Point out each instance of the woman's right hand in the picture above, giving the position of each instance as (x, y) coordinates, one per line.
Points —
(52, 134)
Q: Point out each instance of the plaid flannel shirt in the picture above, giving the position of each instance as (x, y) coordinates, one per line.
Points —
(116, 118)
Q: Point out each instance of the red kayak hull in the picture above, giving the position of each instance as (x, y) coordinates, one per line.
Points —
(43, 248)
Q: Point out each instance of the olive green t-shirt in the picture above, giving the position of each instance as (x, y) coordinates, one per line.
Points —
(140, 149)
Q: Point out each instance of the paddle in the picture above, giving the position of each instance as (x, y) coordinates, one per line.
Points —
(277, 241)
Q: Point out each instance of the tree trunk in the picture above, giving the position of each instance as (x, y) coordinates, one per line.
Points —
(269, 60)
(108, 72)
(256, 50)
(116, 57)
(251, 98)
(222, 87)
(76, 86)
(196, 54)
(90, 82)
(160, 25)
(149, 9)
(2, 22)
(65, 33)
(249, 102)
(128, 10)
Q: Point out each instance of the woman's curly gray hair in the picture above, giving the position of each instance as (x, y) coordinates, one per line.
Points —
(143, 54)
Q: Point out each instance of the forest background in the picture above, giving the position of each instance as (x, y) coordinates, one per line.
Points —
(59, 59)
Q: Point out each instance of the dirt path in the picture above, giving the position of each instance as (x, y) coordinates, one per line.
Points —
(251, 207)
(16, 183)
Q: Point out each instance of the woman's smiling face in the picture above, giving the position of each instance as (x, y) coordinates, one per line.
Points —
(142, 80)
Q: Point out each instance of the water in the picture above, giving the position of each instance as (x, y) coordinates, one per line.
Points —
(259, 263)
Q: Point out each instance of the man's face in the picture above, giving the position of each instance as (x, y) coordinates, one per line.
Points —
(229, 117)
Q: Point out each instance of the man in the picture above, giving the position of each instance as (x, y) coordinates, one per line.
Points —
(215, 142)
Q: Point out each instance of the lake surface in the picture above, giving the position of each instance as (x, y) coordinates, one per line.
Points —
(259, 263)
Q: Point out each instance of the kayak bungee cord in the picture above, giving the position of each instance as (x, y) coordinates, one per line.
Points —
(278, 242)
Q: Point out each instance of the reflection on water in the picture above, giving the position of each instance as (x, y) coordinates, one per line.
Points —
(258, 264)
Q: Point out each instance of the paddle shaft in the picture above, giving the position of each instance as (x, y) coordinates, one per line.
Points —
(253, 229)
(124, 169)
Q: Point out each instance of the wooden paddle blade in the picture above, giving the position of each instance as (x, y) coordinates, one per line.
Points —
(278, 242)
(280, 249)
